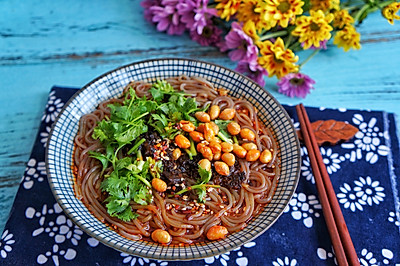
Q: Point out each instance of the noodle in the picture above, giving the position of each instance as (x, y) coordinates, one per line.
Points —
(186, 220)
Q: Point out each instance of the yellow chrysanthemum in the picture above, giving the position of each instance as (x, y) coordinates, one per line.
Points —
(313, 29)
(347, 38)
(252, 10)
(342, 18)
(389, 12)
(249, 28)
(282, 12)
(325, 5)
(227, 8)
(276, 59)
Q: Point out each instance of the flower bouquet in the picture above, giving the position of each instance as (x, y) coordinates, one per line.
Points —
(263, 36)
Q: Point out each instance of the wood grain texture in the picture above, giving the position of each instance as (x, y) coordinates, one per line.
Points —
(46, 43)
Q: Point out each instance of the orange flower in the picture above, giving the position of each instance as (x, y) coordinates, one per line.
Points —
(325, 5)
(251, 10)
(282, 12)
(389, 12)
(227, 8)
(276, 59)
(342, 18)
(313, 29)
(347, 38)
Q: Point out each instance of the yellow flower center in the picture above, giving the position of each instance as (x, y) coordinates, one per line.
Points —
(284, 6)
(314, 26)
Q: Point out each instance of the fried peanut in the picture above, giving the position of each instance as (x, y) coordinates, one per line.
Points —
(182, 141)
(247, 134)
(214, 112)
(227, 114)
(159, 184)
(196, 136)
(249, 146)
(187, 126)
(208, 132)
(233, 128)
(205, 164)
(202, 117)
(226, 147)
(161, 236)
(228, 158)
(252, 155)
(221, 168)
(176, 153)
(266, 156)
(217, 232)
(239, 151)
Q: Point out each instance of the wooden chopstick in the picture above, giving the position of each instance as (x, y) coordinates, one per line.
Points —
(340, 237)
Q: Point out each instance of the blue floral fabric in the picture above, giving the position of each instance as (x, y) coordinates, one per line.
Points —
(365, 175)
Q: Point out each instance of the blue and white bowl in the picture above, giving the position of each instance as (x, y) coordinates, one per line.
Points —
(60, 148)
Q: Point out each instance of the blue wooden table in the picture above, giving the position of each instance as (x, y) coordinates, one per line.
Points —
(45, 43)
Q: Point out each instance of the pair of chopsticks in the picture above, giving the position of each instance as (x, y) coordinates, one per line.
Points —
(340, 237)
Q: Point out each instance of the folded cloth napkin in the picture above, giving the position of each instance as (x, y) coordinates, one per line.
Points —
(364, 173)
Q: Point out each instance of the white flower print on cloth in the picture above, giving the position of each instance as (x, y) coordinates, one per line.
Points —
(326, 255)
(224, 258)
(331, 160)
(61, 231)
(304, 208)
(68, 254)
(388, 255)
(393, 219)
(285, 262)
(367, 258)
(364, 192)
(306, 166)
(368, 140)
(34, 172)
(369, 191)
(44, 136)
(6, 243)
(132, 260)
(53, 108)
(349, 199)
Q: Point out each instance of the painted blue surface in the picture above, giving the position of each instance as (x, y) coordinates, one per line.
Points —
(46, 43)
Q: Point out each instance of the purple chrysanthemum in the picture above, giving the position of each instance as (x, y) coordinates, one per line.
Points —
(167, 18)
(210, 36)
(253, 70)
(146, 4)
(240, 43)
(295, 85)
(195, 14)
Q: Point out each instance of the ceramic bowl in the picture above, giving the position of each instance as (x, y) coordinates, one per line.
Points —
(60, 151)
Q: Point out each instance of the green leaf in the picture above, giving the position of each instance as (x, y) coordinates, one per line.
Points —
(160, 117)
(101, 157)
(127, 215)
(205, 176)
(123, 163)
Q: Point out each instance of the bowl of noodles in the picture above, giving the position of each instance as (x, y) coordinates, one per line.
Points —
(173, 159)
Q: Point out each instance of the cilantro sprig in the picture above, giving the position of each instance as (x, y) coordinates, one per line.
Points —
(129, 177)
(201, 185)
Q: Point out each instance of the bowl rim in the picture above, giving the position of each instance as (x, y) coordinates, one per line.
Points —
(121, 249)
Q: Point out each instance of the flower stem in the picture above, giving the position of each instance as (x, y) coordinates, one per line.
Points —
(360, 12)
(288, 41)
(273, 35)
(309, 57)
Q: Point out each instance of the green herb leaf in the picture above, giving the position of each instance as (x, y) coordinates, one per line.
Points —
(101, 157)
